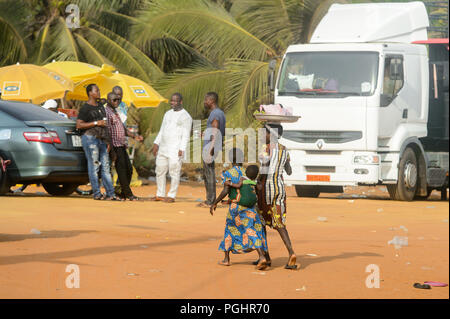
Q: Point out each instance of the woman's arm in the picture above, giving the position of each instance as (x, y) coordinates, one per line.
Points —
(221, 196)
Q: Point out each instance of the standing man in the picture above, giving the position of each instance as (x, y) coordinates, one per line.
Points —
(213, 139)
(119, 133)
(170, 148)
(95, 140)
(122, 110)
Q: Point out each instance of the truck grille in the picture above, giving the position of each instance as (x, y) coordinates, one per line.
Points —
(331, 137)
(320, 169)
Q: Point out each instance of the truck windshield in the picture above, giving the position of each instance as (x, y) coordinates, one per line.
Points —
(334, 74)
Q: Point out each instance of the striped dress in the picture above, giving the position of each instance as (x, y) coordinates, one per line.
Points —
(272, 197)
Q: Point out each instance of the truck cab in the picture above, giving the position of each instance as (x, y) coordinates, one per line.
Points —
(362, 89)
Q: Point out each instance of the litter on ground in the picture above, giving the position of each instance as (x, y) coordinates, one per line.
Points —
(35, 231)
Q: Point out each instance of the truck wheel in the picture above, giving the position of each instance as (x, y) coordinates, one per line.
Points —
(307, 191)
(56, 189)
(406, 186)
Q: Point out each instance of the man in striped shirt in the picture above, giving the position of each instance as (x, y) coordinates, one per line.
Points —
(119, 133)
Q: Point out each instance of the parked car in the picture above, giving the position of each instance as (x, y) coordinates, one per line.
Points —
(42, 147)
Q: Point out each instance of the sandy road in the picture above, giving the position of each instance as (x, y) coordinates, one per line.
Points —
(157, 250)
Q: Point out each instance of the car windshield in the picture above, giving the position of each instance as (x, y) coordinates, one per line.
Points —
(29, 112)
(334, 74)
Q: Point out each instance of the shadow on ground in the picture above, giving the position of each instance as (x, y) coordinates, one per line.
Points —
(43, 234)
(60, 256)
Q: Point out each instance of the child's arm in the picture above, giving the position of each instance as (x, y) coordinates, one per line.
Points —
(237, 185)
(222, 195)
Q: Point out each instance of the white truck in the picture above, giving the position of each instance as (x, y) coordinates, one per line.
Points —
(373, 101)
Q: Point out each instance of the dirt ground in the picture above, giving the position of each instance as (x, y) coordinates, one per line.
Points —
(158, 250)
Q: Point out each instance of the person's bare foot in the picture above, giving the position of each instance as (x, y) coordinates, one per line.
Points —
(203, 205)
(169, 200)
(269, 262)
(157, 199)
(262, 264)
(224, 263)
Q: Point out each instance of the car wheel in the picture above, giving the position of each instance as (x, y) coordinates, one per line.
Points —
(3, 186)
(406, 186)
(307, 191)
(64, 189)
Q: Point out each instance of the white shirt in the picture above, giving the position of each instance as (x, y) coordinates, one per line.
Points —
(174, 133)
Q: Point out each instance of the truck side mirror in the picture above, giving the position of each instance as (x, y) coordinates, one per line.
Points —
(271, 76)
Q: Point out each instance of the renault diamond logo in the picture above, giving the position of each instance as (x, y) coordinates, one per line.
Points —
(319, 144)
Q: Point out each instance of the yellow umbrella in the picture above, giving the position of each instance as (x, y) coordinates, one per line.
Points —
(79, 71)
(134, 90)
(32, 83)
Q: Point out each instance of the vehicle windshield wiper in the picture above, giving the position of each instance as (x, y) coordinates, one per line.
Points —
(298, 93)
(339, 93)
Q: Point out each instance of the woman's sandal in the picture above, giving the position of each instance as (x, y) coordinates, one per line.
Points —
(420, 286)
(101, 197)
(291, 263)
(133, 198)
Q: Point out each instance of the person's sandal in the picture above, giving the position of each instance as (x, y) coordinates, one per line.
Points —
(420, 286)
(133, 198)
(101, 197)
(291, 263)
(114, 198)
(269, 263)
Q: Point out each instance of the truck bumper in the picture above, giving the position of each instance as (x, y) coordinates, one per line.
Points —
(331, 168)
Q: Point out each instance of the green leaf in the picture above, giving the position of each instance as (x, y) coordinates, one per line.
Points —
(193, 83)
(204, 25)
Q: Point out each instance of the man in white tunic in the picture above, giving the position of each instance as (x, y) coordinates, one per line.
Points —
(170, 148)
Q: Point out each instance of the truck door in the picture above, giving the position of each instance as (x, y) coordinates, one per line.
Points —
(392, 107)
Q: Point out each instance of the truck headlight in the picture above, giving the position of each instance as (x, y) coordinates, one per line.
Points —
(366, 159)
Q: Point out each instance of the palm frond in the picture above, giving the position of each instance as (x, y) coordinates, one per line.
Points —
(151, 70)
(122, 54)
(90, 53)
(269, 20)
(63, 45)
(13, 47)
(246, 83)
(43, 43)
(201, 24)
(193, 83)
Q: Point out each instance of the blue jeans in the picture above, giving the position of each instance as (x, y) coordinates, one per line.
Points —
(96, 152)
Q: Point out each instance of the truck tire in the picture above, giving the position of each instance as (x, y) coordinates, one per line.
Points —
(64, 189)
(307, 191)
(406, 186)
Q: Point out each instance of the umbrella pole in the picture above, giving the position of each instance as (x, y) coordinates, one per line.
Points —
(63, 100)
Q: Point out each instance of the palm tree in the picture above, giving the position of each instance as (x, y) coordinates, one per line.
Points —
(37, 32)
